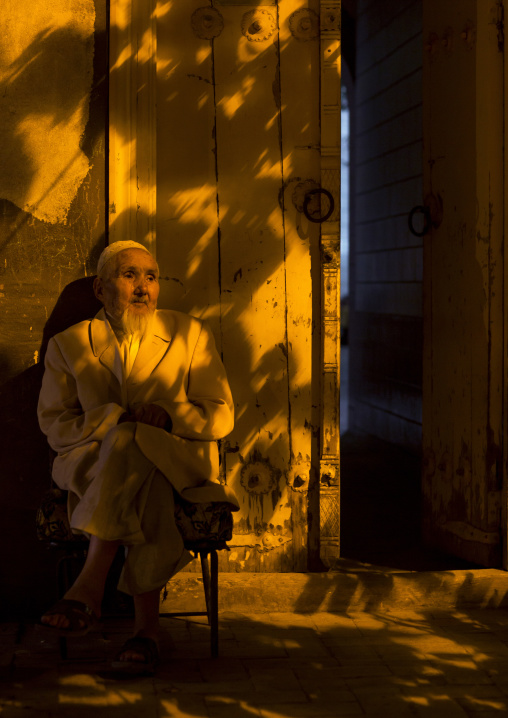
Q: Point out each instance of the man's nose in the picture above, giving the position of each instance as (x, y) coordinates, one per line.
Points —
(141, 286)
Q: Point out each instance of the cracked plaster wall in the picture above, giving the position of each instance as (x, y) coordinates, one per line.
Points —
(53, 108)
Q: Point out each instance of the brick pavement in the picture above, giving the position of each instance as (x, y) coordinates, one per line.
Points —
(274, 665)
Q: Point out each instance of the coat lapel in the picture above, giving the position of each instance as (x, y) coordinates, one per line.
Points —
(151, 351)
(103, 342)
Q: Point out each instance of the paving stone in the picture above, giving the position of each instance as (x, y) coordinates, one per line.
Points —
(274, 679)
(253, 649)
(474, 703)
(290, 620)
(393, 652)
(304, 647)
(312, 710)
(300, 665)
(457, 698)
(259, 698)
(297, 710)
(333, 622)
(180, 705)
(417, 668)
(222, 667)
(387, 664)
(318, 680)
(356, 682)
(392, 709)
(462, 672)
(442, 707)
(383, 700)
(234, 710)
(437, 645)
(24, 712)
(330, 695)
(176, 670)
(487, 647)
(354, 654)
(367, 623)
(215, 687)
(358, 670)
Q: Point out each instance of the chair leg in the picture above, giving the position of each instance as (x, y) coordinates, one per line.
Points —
(206, 580)
(214, 604)
(211, 586)
(62, 645)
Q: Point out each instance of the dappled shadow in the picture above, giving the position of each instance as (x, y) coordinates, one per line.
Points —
(281, 665)
(230, 256)
(235, 250)
(353, 586)
(45, 78)
(75, 304)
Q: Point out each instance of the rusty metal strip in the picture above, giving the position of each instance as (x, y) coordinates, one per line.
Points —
(330, 46)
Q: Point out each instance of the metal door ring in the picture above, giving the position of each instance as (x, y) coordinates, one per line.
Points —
(308, 198)
(419, 209)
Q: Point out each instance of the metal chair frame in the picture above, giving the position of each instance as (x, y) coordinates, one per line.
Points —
(210, 572)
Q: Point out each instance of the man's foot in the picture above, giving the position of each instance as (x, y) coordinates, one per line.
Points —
(70, 617)
(138, 656)
(75, 612)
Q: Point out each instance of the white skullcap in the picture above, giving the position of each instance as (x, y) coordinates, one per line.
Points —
(116, 247)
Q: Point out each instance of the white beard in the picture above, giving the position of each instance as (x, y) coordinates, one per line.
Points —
(136, 324)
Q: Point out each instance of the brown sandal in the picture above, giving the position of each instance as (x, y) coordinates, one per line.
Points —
(146, 647)
(81, 618)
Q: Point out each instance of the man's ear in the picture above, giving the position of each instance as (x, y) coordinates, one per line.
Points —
(98, 289)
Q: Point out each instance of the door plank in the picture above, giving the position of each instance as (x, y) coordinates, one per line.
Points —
(253, 281)
(463, 281)
(187, 225)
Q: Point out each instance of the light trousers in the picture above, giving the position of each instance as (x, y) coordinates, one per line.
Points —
(129, 500)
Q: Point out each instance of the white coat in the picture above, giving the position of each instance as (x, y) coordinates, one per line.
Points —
(177, 367)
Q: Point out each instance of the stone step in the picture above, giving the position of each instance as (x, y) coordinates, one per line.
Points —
(354, 587)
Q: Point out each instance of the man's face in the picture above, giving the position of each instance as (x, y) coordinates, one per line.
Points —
(131, 285)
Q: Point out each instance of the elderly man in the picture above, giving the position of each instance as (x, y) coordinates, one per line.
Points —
(133, 402)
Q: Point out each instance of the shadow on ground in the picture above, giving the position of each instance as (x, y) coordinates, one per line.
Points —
(273, 666)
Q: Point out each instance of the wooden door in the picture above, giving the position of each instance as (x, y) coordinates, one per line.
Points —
(245, 107)
(463, 279)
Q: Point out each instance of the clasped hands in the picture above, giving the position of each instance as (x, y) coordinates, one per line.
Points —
(148, 414)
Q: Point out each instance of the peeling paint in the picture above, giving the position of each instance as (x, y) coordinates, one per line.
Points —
(45, 108)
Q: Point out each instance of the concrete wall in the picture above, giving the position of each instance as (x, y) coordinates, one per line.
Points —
(386, 259)
(53, 85)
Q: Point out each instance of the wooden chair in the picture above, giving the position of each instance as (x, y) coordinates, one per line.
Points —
(205, 529)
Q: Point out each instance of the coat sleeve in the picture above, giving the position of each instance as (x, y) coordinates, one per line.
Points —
(61, 416)
(208, 413)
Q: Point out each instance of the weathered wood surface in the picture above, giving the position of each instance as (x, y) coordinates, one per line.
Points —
(463, 279)
(187, 229)
(132, 121)
(299, 103)
(253, 278)
(238, 142)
